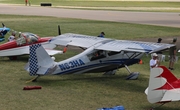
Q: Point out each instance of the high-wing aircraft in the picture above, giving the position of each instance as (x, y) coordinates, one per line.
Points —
(3, 32)
(99, 55)
(163, 86)
(20, 46)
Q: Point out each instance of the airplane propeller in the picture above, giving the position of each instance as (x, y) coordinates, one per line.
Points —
(59, 30)
(3, 25)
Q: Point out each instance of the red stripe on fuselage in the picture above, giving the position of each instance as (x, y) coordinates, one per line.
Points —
(13, 44)
(8, 45)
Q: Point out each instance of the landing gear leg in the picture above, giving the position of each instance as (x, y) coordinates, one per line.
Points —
(127, 69)
(132, 75)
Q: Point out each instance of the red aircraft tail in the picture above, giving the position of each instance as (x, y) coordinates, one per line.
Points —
(161, 80)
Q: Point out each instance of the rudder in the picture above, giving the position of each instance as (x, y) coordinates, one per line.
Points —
(40, 63)
(159, 82)
(33, 62)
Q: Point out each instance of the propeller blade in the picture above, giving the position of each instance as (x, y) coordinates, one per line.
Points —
(3, 25)
(59, 30)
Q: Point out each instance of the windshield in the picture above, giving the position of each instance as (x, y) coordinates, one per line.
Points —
(27, 38)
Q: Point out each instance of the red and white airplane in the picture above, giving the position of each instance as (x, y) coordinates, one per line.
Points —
(163, 86)
(21, 45)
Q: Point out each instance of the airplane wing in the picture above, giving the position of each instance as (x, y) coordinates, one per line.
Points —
(86, 41)
(134, 46)
(25, 50)
(78, 40)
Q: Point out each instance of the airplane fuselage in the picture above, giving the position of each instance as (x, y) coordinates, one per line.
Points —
(92, 61)
(12, 48)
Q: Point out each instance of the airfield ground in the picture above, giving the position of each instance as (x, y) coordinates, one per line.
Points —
(74, 92)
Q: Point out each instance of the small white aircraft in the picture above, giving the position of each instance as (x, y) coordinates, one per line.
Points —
(99, 55)
(163, 86)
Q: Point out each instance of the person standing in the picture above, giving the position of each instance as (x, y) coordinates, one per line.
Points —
(154, 62)
(102, 35)
(26, 2)
(159, 53)
(172, 55)
(12, 37)
(159, 40)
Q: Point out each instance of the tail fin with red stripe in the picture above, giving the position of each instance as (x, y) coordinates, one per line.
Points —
(161, 80)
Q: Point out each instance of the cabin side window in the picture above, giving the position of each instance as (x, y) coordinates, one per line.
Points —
(110, 53)
(99, 54)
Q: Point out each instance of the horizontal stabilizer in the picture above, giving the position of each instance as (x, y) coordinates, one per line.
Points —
(53, 52)
(172, 95)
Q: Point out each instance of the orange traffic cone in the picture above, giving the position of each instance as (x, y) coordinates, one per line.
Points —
(140, 62)
(65, 49)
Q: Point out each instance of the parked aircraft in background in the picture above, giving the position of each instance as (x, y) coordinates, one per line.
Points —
(3, 32)
(99, 55)
(20, 46)
(163, 86)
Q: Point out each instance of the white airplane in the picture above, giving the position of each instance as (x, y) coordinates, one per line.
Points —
(163, 86)
(99, 55)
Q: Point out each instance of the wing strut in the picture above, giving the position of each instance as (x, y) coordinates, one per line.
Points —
(132, 57)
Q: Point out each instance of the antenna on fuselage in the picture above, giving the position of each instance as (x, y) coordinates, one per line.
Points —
(59, 30)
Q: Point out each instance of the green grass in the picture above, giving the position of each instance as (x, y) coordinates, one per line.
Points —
(108, 5)
(84, 91)
(47, 26)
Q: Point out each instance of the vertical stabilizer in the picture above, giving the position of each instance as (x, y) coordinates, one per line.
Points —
(40, 63)
(159, 82)
(33, 62)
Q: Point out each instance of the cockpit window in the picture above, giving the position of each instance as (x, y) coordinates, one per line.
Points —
(98, 54)
(27, 38)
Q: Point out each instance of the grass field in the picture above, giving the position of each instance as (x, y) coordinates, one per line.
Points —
(78, 92)
(107, 5)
